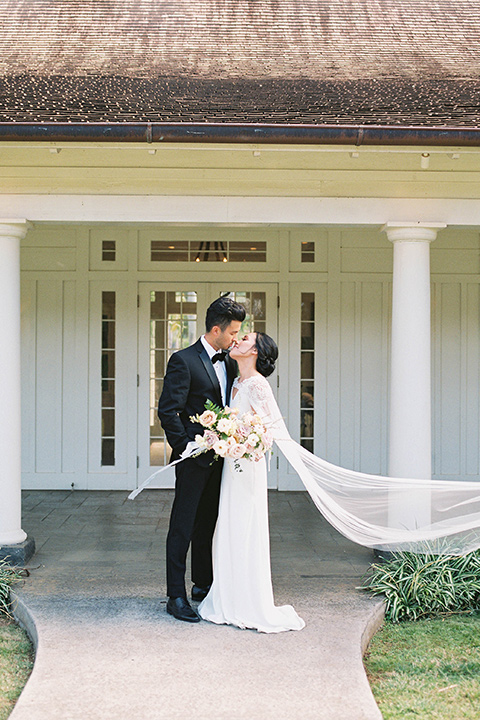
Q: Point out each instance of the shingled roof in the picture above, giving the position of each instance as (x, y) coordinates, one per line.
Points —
(349, 62)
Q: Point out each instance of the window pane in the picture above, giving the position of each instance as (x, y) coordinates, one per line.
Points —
(307, 336)
(158, 333)
(308, 257)
(169, 251)
(109, 250)
(159, 364)
(108, 305)
(258, 305)
(108, 334)
(306, 394)
(307, 444)
(306, 363)
(157, 305)
(155, 426)
(108, 364)
(306, 427)
(108, 423)
(308, 306)
(108, 393)
(108, 451)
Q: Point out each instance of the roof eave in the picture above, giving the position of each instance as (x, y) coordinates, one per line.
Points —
(218, 132)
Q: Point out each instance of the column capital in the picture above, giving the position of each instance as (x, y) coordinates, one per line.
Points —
(412, 231)
(16, 227)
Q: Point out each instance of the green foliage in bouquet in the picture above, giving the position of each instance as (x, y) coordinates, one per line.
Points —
(219, 411)
(426, 585)
(8, 576)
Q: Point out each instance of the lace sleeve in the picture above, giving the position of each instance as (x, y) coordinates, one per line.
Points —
(263, 402)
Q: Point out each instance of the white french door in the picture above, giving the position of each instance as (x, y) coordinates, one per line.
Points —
(171, 316)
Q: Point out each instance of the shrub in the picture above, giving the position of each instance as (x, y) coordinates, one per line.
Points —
(426, 585)
(9, 575)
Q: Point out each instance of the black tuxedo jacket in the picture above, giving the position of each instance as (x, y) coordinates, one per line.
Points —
(190, 380)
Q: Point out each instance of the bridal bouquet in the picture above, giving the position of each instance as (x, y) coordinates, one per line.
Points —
(231, 435)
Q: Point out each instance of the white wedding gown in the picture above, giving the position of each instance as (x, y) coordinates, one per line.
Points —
(241, 593)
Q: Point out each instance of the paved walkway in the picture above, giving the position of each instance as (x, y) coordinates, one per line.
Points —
(107, 650)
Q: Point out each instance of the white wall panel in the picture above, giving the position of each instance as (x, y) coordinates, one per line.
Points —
(70, 435)
(48, 388)
(363, 357)
(347, 361)
(472, 381)
(456, 384)
(28, 359)
(373, 375)
(59, 259)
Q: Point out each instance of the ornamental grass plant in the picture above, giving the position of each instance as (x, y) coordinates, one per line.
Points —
(417, 586)
(9, 575)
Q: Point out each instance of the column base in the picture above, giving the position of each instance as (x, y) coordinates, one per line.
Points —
(18, 554)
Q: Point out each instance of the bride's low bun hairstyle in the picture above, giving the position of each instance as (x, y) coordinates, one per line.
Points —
(267, 354)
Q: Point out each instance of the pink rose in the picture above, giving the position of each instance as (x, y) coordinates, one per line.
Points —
(236, 451)
(210, 438)
(207, 418)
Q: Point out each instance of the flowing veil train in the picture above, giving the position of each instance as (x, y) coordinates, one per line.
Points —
(357, 504)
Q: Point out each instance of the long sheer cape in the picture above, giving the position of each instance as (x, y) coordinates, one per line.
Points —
(358, 505)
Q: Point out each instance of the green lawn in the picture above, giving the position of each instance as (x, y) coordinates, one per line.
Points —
(429, 669)
(16, 662)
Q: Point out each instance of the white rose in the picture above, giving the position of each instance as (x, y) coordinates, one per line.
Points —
(225, 426)
(220, 448)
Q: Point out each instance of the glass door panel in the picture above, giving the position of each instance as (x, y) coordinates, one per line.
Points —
(168, 317)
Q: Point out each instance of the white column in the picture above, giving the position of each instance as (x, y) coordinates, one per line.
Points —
(11, 232)
(410, 373)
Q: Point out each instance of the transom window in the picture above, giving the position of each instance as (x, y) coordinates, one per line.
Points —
(198, 251)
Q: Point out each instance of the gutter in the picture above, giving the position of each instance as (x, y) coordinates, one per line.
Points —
(294, 134)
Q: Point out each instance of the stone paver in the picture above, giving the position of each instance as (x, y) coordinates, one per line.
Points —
(108, 650)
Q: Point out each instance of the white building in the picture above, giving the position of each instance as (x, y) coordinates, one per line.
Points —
(310, 157)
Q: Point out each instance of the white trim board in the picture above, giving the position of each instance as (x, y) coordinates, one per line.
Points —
(237, 210)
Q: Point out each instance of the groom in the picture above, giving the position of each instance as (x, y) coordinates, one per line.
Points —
(203, 371)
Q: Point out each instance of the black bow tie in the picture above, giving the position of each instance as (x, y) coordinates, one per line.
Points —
(219, 357)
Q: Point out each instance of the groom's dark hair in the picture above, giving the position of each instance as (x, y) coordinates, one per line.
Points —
(221, 313)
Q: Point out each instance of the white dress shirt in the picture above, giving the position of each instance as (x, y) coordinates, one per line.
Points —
(219, 367)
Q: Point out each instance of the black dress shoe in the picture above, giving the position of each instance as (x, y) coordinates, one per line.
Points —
(199, 593)
(180, 608)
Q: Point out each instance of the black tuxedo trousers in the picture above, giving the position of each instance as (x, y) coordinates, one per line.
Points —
(189, 381)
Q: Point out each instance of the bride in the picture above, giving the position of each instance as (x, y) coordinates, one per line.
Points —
(241, 593)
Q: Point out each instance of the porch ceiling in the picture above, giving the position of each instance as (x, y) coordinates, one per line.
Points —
(239, 170)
